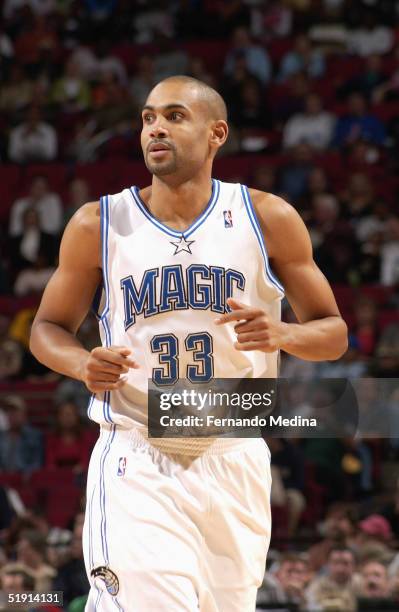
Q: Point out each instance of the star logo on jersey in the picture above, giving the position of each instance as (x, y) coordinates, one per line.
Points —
(182, 246)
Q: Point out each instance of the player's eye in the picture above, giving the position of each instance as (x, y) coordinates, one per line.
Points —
(175, 115)
(148, 117)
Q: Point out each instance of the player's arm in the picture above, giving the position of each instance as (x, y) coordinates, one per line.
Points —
(65, 303)
(321, 333)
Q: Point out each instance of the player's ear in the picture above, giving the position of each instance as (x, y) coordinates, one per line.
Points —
(219, 133)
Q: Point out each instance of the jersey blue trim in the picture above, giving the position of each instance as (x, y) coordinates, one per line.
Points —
(256, 227)
(195, 225)
(103, 525)
(99, 595)
(105, 219)
(93, 395)
(95, 306)
(90, 509)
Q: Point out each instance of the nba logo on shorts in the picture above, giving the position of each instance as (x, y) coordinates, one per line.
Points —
(228, 219)
(121, 466)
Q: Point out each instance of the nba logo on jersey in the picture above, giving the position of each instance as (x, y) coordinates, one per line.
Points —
(228, 219)
(121, 466)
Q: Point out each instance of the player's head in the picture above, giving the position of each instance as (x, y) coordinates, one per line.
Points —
(184, 125)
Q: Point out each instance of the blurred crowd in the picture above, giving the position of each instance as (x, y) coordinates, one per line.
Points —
(312, 88)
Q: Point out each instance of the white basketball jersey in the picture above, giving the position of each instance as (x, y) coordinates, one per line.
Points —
(163, 290)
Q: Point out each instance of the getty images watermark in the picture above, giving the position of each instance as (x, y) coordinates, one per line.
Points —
(327, 408)
(206, 402)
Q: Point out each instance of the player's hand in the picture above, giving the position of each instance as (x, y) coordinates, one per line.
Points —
(104, 368)
(256, 330)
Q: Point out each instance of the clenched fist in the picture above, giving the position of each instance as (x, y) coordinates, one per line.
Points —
(104, 368)
(256, 330)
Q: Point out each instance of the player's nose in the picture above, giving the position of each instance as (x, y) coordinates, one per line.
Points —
(158, 130)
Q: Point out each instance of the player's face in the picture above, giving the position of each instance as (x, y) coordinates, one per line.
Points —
(175, 134)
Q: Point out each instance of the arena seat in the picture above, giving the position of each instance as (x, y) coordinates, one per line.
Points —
(13, 480)
(56, 174)
(212, 52)
(9, 185)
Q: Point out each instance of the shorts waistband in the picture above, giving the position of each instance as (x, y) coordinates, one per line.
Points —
(184, 446)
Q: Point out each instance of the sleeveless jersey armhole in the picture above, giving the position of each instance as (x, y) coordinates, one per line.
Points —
(259, 235)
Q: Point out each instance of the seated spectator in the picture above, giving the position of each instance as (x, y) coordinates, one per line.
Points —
(100, 10)
(33, 140)
(351, 365)
(250, 112)
(314, 126)
(109, 93)
(329, 232)
(92, 64)
(358, 123)
(198, 70)
(371, 37)
(143, 79)
(106, 62)
(33, 244)
(170, 59)
(317, 184)
(358, 198)
(37, 41)
(367, 81)
(294, 175)
(46, 204)
(33, 280)
(256, 58)
(365, 328)
(338, 529)
(291, 99)
(375, 585)
(388, 88)
(16, 578)
(286, 584)
(390, 254)
(70, 444)
(17, 91)
(374, 536)
(31, 551)
(288, 471)
(302, 58)
(271, 20)
(78, 194)
(21, 446)
(72, 578)
(153, 21)
(338, 582)
(20, 328)
(264, 178)
(10, 357)
(70, 92)
(386, 359)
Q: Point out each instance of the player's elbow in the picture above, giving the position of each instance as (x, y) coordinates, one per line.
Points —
(32, 339)
(340, 344)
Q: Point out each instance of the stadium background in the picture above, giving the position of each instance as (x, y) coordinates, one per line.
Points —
(312, 88)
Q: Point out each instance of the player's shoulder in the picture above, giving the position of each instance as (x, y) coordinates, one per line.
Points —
(272, 210)
(86, 219)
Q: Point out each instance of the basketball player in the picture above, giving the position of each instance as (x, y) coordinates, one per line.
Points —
(180, 525)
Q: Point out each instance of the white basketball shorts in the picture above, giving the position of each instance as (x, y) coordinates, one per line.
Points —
(174, 533)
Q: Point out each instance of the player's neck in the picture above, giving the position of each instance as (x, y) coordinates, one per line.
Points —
(179, 205)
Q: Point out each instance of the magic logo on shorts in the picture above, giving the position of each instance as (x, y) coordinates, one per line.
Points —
(109, 578)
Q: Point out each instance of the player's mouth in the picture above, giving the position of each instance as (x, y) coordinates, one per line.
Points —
(158, 150)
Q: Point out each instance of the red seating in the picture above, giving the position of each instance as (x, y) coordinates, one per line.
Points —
(9, 185)
(62, 505)
(101, 176)
(11, 479)
(54, 172)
